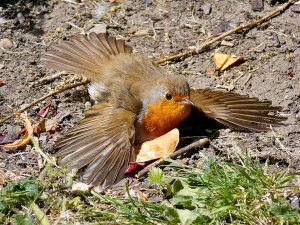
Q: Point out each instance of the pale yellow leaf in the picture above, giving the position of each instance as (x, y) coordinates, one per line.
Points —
(160, 147)
(223, 61)
(25, 139)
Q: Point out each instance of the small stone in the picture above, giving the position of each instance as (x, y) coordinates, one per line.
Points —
(87, 105)
(220, 28)
(142, 32)
(295, 202)
(6, 43)
(80, 187)
(148, 2)
(296, 8)
(2, 66)
(257, 5)
(206, 8)
(2, 21)
(99, 28)
(20, 18)
(227, 43)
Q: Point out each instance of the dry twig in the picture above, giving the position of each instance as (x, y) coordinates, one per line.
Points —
(43, 98)
(179, 152)
(50, 78)
(205, 45)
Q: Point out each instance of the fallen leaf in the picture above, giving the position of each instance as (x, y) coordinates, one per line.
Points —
(2, 83)
(40, 127)
(211, 71)
(223, 61)
(37, 128)
(25, 139)
(133, 167)
(51, 125)
(159, 147)
(61, 115)
(44, 111)
(142, 32)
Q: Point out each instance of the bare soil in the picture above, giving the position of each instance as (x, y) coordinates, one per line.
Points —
(271, 69)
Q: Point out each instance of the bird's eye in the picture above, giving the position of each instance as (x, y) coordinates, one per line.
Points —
(168, 96)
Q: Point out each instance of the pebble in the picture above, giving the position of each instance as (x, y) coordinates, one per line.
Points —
(227, 43)
(1, 66)
(257, 5)
(20, 18)
(296, 8)
(2, 20)
(206, 8)
(99, 28)
(6, 43)
(87, 105)
(148, 2)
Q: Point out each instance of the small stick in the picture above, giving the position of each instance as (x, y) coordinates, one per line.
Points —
(50, 77)
(179, 152)
(234, 30)
(43, 98)
(40, 151)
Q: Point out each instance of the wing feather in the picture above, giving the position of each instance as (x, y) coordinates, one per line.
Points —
(85, 55)
(235, 110)
(103, 141)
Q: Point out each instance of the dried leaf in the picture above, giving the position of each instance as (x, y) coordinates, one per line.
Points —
(51, 125)
(43, 111)
(211, 71)
(40, 127)
(224, 61)
(2, 83)
(160, 147)
(142, 32)
(133, 167)
(25, 139)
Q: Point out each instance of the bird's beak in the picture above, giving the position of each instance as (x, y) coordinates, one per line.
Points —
(187, 102)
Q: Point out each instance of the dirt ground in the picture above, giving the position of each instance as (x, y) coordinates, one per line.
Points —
(271, 69)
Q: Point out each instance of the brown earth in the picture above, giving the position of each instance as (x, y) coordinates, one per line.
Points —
(271, 69)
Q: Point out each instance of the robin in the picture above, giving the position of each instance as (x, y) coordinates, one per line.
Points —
(136, 101)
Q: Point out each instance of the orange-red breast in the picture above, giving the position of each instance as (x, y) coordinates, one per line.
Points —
(136, 100)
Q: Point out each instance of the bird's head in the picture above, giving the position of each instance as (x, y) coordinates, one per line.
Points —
(167, 105)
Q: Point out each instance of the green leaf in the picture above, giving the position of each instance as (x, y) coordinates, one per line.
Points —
(17, 193)
(171, 215)
(22, 219)
(174, 187)
(187, 217)
(156, 176)
(186, 202)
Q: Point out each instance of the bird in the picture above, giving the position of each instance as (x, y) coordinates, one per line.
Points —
(136, 100)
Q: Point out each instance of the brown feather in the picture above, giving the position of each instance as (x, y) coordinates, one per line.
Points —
(85, 55)
(235, 110)
(102, 142)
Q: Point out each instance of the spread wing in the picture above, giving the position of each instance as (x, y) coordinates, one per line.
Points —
(236, 111)
(85, 55)
(103, 141)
